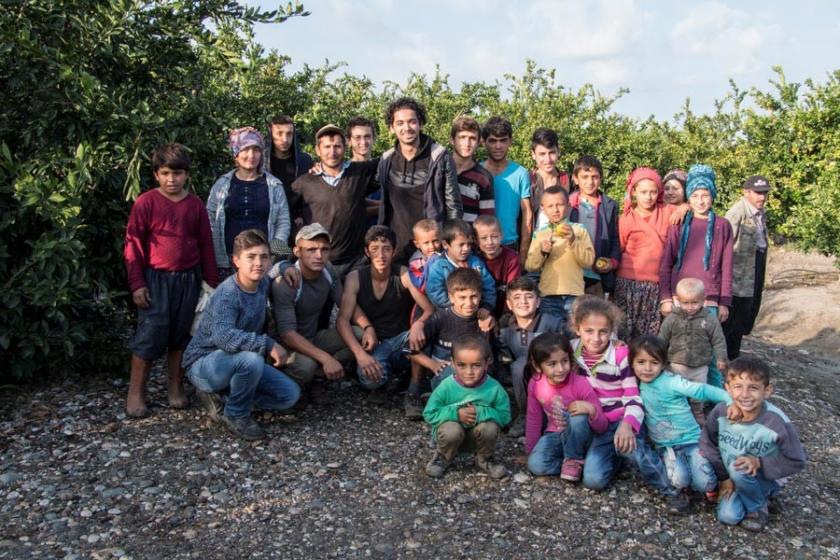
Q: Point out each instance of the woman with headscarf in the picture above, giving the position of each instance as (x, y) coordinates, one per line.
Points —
(642, 232)
(700, 248)
(246, 198)
(673, 187)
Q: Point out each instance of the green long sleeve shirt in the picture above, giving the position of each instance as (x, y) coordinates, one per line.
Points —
(488, 397)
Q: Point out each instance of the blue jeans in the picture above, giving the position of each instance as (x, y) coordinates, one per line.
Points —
(390, 355)
(603, 461)
(553, 447)
(751, 494)
(686, 467)
(249, 380)
(559, 306)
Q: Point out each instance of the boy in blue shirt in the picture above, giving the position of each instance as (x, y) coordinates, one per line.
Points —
(753, 456)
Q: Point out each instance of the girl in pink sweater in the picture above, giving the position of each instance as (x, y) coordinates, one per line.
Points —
(557, 392)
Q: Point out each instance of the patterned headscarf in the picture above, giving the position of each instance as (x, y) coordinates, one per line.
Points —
(700, 176)
(635, 176)
(241, 138)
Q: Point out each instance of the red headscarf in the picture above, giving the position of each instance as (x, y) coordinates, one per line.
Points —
(637, 175)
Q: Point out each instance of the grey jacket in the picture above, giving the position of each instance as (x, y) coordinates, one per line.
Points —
(693, 340)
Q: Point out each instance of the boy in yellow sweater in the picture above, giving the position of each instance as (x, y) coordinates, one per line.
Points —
(560, 251)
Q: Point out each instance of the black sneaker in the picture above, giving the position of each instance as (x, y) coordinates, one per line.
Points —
(678, 504)
(318, 393)
(517, 428)
(413, 406)
(755, 521)
(212, 403)
(437, 466)
(244, 427)
(774, 506)
(494, 470)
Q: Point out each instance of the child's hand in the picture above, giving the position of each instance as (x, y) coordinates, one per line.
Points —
(416, 337)
(733, 413)
(545, 245)
(723, 313)
(747, 464)
(722, 365)
(141, 297)
(439, 366)
(277, 355)
(725, 488)
(679, 214)
(486, 323)
(666, 307)
(625, 438)
(566, 232)
(580, 408)
(466, 415)
(370, 367)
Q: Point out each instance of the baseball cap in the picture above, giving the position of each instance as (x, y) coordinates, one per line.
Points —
(311, 231)
(757, 183)
(329, 130)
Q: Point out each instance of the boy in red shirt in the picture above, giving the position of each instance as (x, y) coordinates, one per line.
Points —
(168, 251)
(502, 262)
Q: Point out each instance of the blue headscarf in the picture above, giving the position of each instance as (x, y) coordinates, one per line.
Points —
(700, 176)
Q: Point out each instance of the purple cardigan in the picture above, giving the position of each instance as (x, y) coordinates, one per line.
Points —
(718, 279)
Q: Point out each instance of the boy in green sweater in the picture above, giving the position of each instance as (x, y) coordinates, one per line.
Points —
(467, 410)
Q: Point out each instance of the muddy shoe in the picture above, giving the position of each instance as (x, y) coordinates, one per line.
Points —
(755, 521)
(318, 393)
(494, 470)
(244, 427)
(210, 402)
(437, 466)
(572, 470)
(679, 504)
(413, 406)
(517, 429)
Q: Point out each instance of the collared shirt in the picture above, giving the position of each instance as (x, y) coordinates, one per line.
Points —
(333, 180)
(761, 229)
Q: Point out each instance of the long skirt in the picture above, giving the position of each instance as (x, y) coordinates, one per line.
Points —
(640, 302)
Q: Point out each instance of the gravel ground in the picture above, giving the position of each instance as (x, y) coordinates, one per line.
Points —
(77, 480)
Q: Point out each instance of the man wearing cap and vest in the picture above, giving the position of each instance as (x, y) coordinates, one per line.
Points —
(316, 354)
(333, 195)
(749, 261)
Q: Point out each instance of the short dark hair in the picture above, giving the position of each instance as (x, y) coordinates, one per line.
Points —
(588, 162)
(380, 233)
(753, 368)
(453, 228)
(281, 119)
(405, 103)
(523, 284)
(557, 190)
(464, 279)
(462, 123)
(359, 120)
(497, 126)
(247, 239)
(546, 138)
(471, 342)
(653, 345)
(173, 156)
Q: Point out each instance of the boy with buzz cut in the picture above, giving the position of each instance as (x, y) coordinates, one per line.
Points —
(457, 244)
(598, 213)
(461, 317)
(502, 262)
(511, 185)
(468, 410)
(168, 252)
(754, 455)
(474, 182)
(526, 323)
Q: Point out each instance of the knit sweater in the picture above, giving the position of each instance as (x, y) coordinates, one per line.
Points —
(668, 416)
(693, 339)
(488, 397)
(614, 383)
(561, 271)
(541, 395)
(233, 322)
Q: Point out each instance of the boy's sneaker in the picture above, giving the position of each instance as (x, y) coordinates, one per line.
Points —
(678, 504)
(774, 506)
(437, 466)
(212, 403)
(413, 406)
(318, 393)
(755, 521)
(572, 470)
(494, 470)
(244, 427)
(517, 429)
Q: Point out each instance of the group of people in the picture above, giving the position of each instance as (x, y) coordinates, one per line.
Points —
(473, 276)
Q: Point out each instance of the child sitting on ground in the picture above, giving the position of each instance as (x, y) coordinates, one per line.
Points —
(753, 456)
(669, 420)
(604, 363)
(502, 262)
(694, 337)
(558, 393)
(467, 410)
(560, 252)
(526, 324)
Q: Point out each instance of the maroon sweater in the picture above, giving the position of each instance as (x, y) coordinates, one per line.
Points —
(167, 235)
(504, 269)
(718, 279)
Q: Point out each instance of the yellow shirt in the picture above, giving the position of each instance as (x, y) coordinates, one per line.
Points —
(561, 271)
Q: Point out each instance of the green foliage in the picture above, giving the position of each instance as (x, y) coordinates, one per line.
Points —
(91, 87)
